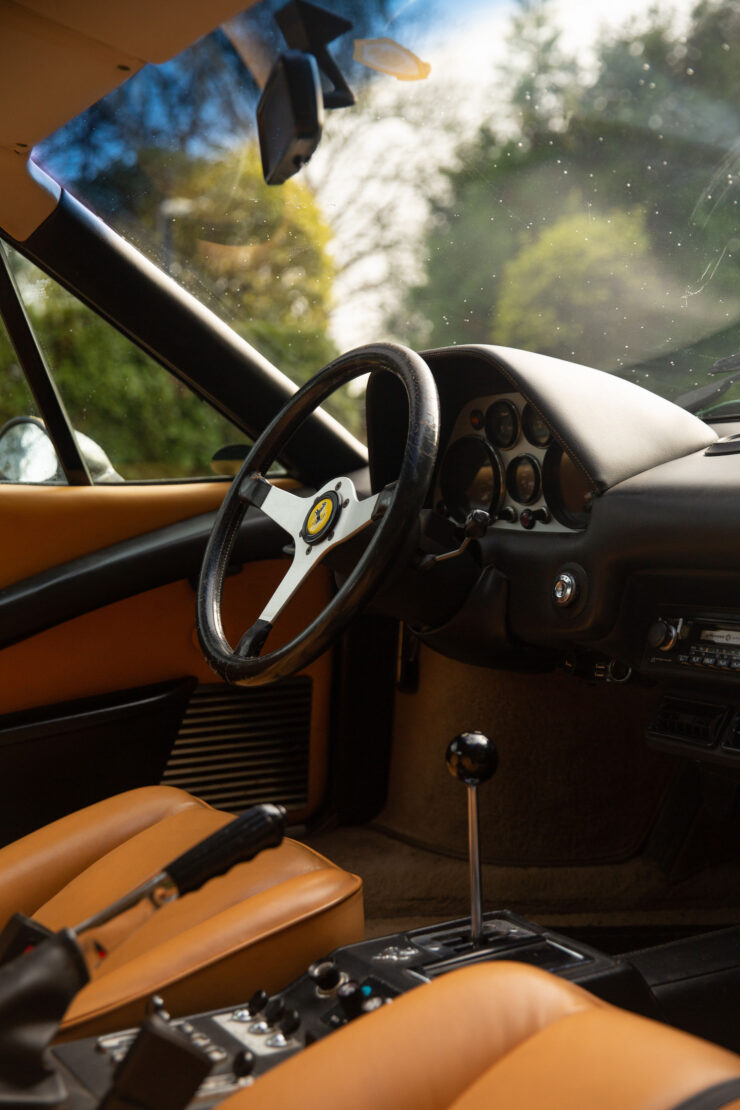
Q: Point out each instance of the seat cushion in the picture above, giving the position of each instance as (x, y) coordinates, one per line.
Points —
(500, 1035)
(260, 925)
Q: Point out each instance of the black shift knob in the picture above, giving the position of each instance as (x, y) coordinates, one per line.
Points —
(472, 758)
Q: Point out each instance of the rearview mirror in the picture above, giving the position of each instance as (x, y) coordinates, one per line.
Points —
(290, 116)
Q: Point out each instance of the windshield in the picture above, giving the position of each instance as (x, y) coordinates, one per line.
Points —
(562, 177)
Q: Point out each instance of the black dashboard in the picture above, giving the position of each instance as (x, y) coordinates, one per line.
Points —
(590, 482)
(612, 541)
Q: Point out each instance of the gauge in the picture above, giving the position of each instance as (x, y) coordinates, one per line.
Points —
(566, 488)
(502, 424)
(470, 477)
(535, 428)
(523, 479)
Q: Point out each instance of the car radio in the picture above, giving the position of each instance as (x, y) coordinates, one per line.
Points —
(695, 643)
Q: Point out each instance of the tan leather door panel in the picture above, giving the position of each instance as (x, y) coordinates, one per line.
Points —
(147, 638)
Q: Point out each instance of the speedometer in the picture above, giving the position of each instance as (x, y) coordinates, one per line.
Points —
(535, 428)
(502, 424)
(470, 477)
(523, 479)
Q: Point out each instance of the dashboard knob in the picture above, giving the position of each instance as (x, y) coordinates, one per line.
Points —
(564, 590)
(290, 1022)
(351, 997)
(472, 758)
(257, 1002)
(325, 974)
(274, 1010)
(243, 1063)
(509, 514)
(476, 524)
(662, 635)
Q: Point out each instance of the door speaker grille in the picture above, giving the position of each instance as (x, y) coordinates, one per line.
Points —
(238, 747)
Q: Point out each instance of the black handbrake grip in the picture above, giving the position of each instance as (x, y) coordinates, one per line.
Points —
(257, 828)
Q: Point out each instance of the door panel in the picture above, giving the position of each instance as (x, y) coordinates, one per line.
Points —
(143, 639)
(47, 525)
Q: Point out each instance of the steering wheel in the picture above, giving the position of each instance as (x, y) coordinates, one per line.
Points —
(319, 523)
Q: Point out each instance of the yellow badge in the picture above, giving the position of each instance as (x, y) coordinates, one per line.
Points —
(319, 516)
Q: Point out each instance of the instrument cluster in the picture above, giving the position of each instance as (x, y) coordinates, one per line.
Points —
(502, 458)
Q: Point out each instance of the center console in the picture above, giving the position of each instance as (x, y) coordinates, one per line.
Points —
(244, 1042)
(234, 1046)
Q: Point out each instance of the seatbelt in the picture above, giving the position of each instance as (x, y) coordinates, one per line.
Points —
(713, 1098)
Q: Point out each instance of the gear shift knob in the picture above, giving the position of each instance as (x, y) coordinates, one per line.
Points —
(472, 758)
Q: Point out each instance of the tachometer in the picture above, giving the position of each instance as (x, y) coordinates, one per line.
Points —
(470, 477)
(535, 428)
(566, 488)
(523, 479)
(502, 424)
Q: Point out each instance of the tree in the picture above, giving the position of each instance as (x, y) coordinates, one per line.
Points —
(648, 143)
(544, 77)
(571, 291)
(233, 242)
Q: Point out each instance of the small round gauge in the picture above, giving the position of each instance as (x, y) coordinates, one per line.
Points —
(523, 479)
(470, 477)
(535, 428)
(502, 424)
(566, 488)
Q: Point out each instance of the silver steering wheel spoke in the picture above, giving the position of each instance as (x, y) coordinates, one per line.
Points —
(286, 509)
(317, 525)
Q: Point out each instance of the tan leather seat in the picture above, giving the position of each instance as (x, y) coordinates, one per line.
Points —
(497, 1037)
(260, 925)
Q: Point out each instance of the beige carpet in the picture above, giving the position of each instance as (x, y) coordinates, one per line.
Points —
(406, 886)
(576, 782)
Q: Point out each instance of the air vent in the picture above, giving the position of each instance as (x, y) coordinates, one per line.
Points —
(693, 722)
(240, 746)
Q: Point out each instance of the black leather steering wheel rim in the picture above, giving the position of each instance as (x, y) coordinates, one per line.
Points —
(395, 509)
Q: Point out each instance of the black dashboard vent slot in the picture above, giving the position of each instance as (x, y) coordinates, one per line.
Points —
(237, 747)
(693, 722)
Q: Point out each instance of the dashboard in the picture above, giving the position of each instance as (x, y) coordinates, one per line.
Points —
(502, 458)
(611, 543)
(582, 474)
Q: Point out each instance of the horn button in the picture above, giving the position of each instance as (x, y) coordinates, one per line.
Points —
(321, 518)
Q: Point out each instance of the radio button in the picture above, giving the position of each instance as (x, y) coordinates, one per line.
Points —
(662, 635)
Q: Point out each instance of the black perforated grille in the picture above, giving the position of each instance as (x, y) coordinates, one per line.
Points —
(240, 746)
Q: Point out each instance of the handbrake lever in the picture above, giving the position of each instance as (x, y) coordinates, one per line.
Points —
(243, 838)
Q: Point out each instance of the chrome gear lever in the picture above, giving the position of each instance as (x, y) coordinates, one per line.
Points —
(473, 758)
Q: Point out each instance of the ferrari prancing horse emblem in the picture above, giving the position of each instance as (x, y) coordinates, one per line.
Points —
(319, 516)
(322, 516)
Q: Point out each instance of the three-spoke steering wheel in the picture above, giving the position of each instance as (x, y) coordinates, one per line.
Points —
(318, 524)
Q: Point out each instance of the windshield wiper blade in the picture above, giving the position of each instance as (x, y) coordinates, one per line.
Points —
(722, 365)
(697, 399)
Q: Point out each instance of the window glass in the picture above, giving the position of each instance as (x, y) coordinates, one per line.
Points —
(558, 177)
(26, 453)
(149, 425)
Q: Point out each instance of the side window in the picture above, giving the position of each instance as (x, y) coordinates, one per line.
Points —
(133, 420)
(26, 453)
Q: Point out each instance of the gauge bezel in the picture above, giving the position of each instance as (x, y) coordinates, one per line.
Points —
(511, 481)
(552, 491)
(453, 509)
(504, 401)
(528, 414)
